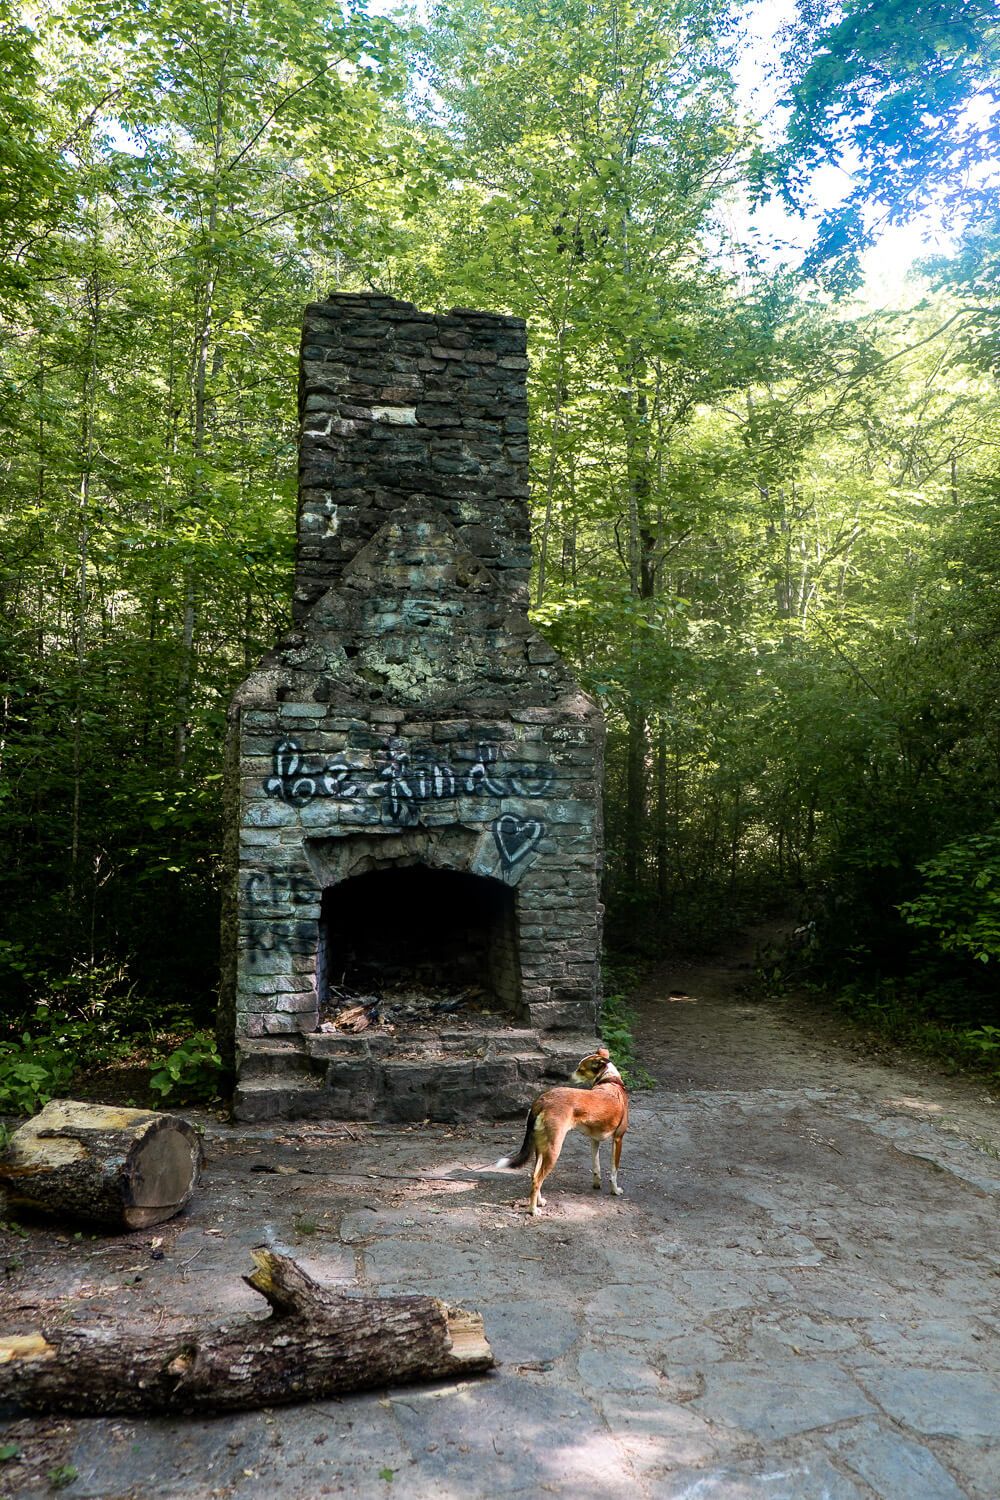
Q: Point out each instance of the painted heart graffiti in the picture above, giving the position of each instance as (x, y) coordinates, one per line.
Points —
(516, 837)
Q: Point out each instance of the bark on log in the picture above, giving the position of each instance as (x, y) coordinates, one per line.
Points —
(123, 1168)
(315, 1344)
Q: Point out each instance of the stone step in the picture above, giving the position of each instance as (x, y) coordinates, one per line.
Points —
(566, 1052)
(330, 1076)
(507, 1039)
(348, 1049)
(471, 1044)
(273, 1057)
(398, 1090)
(256, 1099)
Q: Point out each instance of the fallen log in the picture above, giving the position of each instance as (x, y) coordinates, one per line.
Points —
(122, 1168)
(314, 1344)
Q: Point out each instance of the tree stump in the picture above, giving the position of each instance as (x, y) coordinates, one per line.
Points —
(122, 1168)
(315, 1344)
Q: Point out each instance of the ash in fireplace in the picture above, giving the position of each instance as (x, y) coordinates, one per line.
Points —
(400, 1005)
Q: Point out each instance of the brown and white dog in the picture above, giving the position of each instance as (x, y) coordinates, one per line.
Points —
(601, 1109)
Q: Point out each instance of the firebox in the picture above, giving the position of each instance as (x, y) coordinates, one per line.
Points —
(435, 936)
(412, 916)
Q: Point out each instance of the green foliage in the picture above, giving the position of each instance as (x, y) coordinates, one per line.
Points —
(33, 176)
(63, 1475)
(908, 91)
(191, 1072)
(985, 1042)
(960, 902)
(37, 1068)
(913, 1013)
(92, 1023)
(174, 185)
(80, 1021)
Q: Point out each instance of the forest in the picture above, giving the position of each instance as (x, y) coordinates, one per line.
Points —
(766, 491)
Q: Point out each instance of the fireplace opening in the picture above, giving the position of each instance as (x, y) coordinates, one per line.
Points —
(419, 941)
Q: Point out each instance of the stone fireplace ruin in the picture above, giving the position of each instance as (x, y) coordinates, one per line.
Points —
(413, 777)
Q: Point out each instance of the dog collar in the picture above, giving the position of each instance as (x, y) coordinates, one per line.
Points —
(603, 1078)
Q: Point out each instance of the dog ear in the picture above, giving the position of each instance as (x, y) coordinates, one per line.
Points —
(604, 1053)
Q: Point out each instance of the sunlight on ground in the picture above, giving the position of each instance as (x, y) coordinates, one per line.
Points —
(594, 1466)
(434, 1185)
(591, 1465)
(569, 1207)
(921, 1106)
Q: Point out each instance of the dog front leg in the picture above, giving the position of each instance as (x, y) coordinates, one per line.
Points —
(595, 1163)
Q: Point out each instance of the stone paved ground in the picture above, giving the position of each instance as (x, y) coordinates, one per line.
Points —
(796, 1299)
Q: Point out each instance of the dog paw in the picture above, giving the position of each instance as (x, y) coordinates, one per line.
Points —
(596, 1184)
(617, 1191)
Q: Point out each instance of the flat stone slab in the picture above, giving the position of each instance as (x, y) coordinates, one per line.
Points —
(959, 1404)
(814, 1479)
(781, 1398)
(893, 1465)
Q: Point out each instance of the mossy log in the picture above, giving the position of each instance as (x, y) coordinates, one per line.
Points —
(122, 1168)
(315, 1344)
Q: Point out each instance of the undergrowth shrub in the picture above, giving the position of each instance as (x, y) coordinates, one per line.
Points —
(960, 901)
(191, 1073)
(90, 1020)
(621, 978)
(35, 1069)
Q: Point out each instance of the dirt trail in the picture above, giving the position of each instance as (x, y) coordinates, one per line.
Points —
(796, 1299)
(701, 1026)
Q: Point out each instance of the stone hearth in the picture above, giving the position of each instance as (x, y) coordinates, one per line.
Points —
(413, 778)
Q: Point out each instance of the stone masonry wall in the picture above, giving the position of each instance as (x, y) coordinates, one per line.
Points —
(328, 797)
(395, 404)
(413, 717)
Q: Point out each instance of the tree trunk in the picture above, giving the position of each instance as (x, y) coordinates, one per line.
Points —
(314, 1345)
(660, 835)
(87, 404)
(552, 469)
(642, 580)
(199, 391)
(634, 829)
(124, 1168)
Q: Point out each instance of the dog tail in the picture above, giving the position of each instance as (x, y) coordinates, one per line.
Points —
(527, 1148)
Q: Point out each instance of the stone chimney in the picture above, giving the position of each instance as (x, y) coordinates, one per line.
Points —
(414, 777)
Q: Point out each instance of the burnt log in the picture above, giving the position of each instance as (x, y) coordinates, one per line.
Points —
(314, 1344)
(121, 1168)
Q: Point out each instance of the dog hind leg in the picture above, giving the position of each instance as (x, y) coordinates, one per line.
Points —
(616, 1156)
(535, 1200)
(595, 1162)
(547, 1149)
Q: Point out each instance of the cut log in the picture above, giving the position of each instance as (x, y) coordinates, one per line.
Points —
(122, 1168)
(315, 1344)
